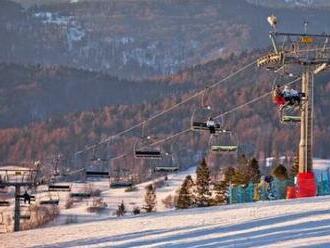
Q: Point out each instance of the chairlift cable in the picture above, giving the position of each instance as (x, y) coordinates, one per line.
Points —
(216, 117)
(171, 108)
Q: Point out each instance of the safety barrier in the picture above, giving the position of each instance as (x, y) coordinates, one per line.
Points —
(280, 189)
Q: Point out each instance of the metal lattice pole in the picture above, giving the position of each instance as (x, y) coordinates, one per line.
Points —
(305, 145)
(17, 208)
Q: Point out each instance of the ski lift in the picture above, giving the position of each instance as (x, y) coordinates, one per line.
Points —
(96, 174)
(4, 203)
(167, 164)
(96, 158)
(224, 141)
(27, 201)
(143, 149)
(56, 171)
(49, 202)
(80, 195)
(122, 184)
(201, 119)
(59, 188)
(96, 170)
(26, 216)
(290, 115)
(121, 179)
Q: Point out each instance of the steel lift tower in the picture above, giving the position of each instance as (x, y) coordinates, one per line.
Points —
(18, 177)
(302, 54)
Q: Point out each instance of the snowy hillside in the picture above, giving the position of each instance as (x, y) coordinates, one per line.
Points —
(288, 223)
(113, 197)
(78, 213)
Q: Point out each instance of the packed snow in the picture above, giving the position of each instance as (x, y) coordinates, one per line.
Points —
(113, 197)
(285, 223)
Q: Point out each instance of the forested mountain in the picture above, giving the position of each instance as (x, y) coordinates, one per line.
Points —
(139, 39)
(75, 72)
(257, 124)
(36, 93)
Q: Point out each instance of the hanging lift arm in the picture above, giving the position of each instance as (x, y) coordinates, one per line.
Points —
(272, 38)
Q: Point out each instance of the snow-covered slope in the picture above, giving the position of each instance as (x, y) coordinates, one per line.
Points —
(287, 223)
(113, 197)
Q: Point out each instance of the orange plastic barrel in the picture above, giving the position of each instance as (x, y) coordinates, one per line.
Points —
(306, 185)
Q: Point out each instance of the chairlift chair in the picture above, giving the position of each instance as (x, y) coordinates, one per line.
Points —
(144, 150)
(59, 188)
(167, 164)
(122, 184)
(97, 174)
(22, 199)
(50, 200)
(200, 118)
(4, 203)
(223, 142)
(25, 216)
(93, 171)
(290, 115)
(80, 195)
(121, 179)
(168, 169)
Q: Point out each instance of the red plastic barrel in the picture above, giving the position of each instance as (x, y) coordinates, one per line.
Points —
(291, 192)
(306, 185)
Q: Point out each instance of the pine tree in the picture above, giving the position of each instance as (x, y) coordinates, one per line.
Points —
(221, 192)
(229, 173)
(185, 198)
(253, 169)
(203, 194)
(150, 199)
(241, 174)
(242, 160)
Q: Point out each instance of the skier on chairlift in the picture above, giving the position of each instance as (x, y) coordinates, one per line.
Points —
(211, 125)
(27, 198)
(291, 96)
(286, 97)
(278, 96)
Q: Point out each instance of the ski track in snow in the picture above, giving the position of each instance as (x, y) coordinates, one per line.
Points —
(285, 223)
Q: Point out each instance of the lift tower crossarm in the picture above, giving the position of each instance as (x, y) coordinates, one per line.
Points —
(299, 34)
